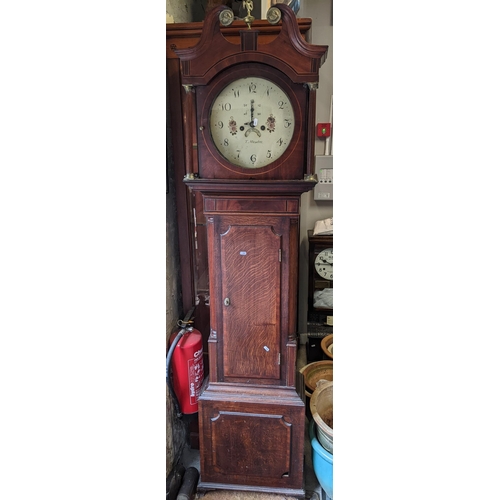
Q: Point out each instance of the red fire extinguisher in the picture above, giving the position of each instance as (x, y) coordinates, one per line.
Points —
(185, 362)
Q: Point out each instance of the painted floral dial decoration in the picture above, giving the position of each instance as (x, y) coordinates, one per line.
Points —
(252, 122)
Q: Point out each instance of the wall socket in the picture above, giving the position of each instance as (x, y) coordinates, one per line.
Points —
(324, 170)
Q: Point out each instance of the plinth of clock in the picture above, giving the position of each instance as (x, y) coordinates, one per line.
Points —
(267, 421)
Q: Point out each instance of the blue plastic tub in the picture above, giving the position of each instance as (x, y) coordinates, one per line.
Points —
(322, 462)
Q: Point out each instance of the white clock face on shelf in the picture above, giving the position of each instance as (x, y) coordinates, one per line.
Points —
(324, 264)
(252, 122)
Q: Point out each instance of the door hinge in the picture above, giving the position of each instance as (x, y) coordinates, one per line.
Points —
(279, 254)
(279, 358)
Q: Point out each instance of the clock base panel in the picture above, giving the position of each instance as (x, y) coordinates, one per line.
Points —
(252, 438)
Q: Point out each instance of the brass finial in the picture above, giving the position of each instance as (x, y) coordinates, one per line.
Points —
(249, 19)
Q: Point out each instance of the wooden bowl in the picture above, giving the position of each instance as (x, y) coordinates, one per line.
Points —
(327, 346)
(319, 370)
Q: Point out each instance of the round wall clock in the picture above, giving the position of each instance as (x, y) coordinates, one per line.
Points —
(324, 263)
(252, 122)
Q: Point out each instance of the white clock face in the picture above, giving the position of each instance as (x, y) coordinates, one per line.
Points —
(324, 264)
(252, 122)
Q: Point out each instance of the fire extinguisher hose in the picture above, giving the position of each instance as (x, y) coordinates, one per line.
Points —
(170, 353)
(169, 380)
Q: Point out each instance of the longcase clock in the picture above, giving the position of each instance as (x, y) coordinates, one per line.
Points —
(249, 112)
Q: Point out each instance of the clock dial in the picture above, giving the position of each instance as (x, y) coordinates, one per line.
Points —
(252, 122)
(324, 264)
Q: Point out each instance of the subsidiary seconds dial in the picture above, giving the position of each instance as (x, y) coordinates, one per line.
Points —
(252, 122)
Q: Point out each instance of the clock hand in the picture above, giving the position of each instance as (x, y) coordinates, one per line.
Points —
(252, 122)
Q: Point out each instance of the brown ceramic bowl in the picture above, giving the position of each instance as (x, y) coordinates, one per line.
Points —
(322, 412)
(327, 346)
(314, 372)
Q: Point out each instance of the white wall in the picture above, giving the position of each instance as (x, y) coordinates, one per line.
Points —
(187, 11)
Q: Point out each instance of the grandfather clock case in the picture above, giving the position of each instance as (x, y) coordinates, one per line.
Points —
(248, 125)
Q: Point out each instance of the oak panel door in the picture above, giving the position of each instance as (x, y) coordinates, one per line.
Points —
(251, 283)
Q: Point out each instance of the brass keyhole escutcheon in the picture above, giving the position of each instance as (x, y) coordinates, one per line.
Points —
(227, 301)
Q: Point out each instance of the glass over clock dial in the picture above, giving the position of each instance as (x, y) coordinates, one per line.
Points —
(324, 264)
(252, 122)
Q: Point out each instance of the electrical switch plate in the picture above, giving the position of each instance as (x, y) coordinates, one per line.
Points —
(323, 191)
